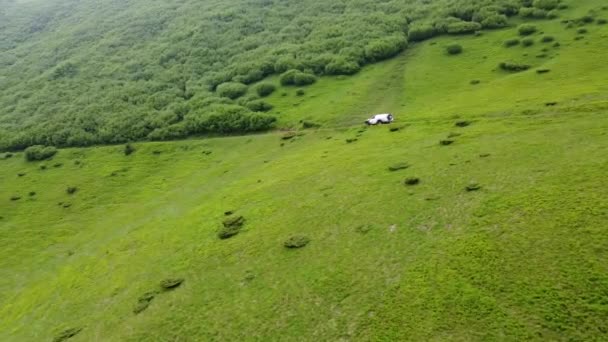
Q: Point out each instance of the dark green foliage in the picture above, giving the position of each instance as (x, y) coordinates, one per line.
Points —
(231, 90)
(171, 283)
(15, 198)
(68, 70)
(364, 228)
(422, 32)
(297, 78)
(296, 241)
(495, 21)
(351, 140)
(7, 156)
(547, 39)
(454, 49)
(21, 174)
(542, 71)
(38, 152)
(602, 21)
(384, 48)
(300, 92)
(526, 29)
(264, 89)
(259, 106)
(71, 190)
(446, 142)
(587, 19)
(511, 42)
(128, 149)
(514, 67)
(463, 27)
(474, 82)
(67, 334)
(472, 187)
(582, 30)
(527, 42)
(411, 181)
(546, 4)
(43, 167)
(342, 66)
(398, 166)
(32, 193)
(462, 123)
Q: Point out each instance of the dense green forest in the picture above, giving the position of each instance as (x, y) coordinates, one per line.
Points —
(77, 73)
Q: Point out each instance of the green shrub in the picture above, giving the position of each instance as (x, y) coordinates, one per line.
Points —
(462, 123)
(420, 32)
(15, 198)
(472, 187)
(526, 29)
(259, 106)
(310, 124)
(300, 92)
(454, 49)
(527, 42)
(384, 48)
(129, 149)
(296, 77)
(587, 19)
(547, 39)
(39, 152)
(463, 27)
(545, 4)
(296, 241)
(446, 142)
(495, 21)
(71, 190)
(511, 42)
(231, 227)
(398, 166)
(582, 30)
(171, 283)
(342, 66)
(411, 181)
(231, 90)
(264, 89)
(602, 21)
(515, 67)
(474, 82)
(552, 14)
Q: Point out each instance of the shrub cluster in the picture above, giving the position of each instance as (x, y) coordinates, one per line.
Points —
(231, 90)
(526, 29)
(264, 89)
(297, 78)
(527, 42)
(39, 152)
(511, 42)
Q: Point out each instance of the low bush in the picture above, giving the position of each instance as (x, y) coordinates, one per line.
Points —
(463, 27)
(474, 82)
(67, 334)
(144, 301)
(411, 181)
(39, 152)
(527, 42)
(514, 67)
(542, 71)
(472, 187)
(300, 92)
(511, 42)
(446, 142)
(32, 193)
(7, 155)
(21, 174)
(310, 124)
(462, 123)
(351, 140)
(587, 19)
(547, 39)
(296, 241)
(259, 106)
(526, 29)
(289, 135)
(495, 21)
(398, 166)
(342, 66)
(171, 283)
(129, 149)
(454, 49)
(297, 77)
(264, 89)
(582, 30)
(15, 198)
(231, 90)
(545, 4)
(419, 32)
(71, 190)
(602, 21)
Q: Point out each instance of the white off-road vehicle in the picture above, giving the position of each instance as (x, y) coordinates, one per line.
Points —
(380, 119)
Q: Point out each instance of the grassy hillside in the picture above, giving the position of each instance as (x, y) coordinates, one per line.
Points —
(79, 73)
(520, 256)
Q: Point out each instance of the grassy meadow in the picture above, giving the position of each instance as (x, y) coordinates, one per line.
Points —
(503, 238)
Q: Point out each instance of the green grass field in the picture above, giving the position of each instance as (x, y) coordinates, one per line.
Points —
(522, 258)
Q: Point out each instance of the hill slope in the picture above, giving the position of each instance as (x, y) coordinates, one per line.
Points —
(520, 258)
